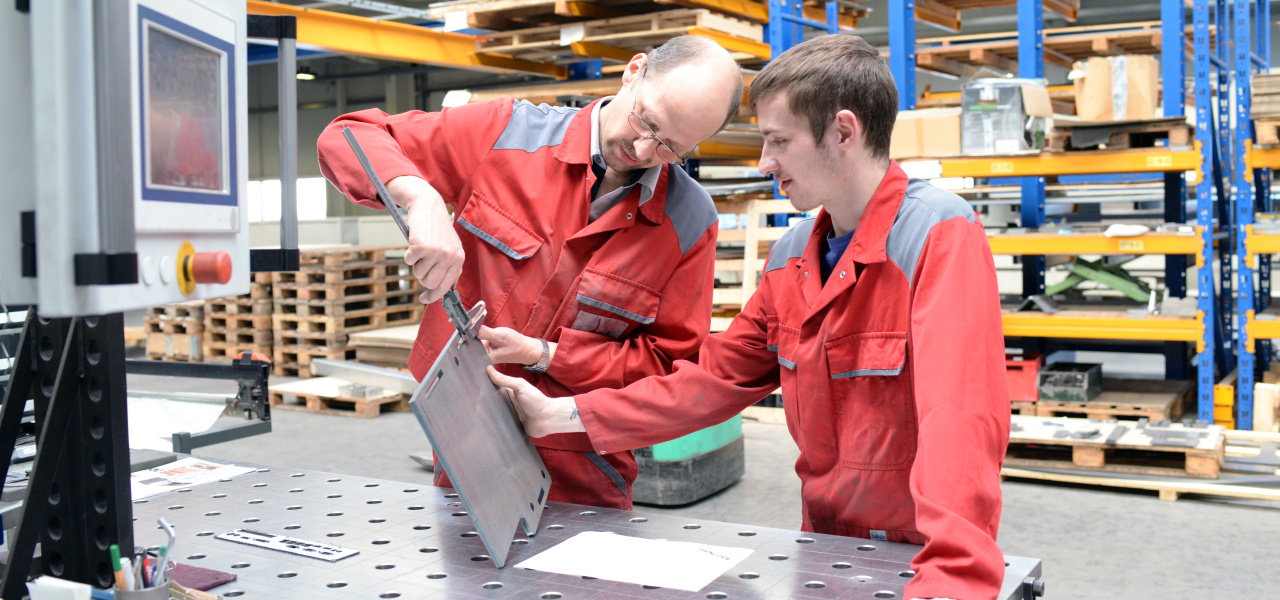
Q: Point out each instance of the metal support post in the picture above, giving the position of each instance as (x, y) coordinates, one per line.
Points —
(1224, 138)
(902, 50)
(1173, 40)
(1206, 302)
(1244, 208)
(1031, 66)
(833, 17)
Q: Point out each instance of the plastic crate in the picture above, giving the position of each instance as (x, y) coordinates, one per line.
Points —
(1023, 371)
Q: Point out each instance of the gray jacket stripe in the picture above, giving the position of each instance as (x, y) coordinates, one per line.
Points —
(771, 348)
(493, 241)
(622, 312)
(790, 246)
(866, 372)
(923, 206)
(786, 363)
(689, 207)
(534, 127)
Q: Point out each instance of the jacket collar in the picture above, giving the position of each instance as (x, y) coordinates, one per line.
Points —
(872, 232)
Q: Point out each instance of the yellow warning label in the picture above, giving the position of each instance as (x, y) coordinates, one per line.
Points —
(1131, 245)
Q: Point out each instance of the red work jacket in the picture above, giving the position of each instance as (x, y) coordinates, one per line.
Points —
(893, 383)
(624, 296)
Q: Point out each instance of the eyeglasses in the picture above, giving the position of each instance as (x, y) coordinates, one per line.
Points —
(645, 130)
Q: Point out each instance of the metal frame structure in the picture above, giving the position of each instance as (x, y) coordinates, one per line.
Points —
(1030, 173)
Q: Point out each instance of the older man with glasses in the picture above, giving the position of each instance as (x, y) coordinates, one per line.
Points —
(591, 248)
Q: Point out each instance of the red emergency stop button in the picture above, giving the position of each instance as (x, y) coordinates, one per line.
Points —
(211, 267)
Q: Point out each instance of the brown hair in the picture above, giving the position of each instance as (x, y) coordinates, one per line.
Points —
(831, 73)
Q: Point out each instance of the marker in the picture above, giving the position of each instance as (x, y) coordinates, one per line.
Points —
(127, 565)
(115, 566)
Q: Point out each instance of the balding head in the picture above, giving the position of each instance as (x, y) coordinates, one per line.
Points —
(682, 92)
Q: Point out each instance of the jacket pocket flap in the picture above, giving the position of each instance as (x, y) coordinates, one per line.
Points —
(619, 296)
(867, 354)
(498, 229)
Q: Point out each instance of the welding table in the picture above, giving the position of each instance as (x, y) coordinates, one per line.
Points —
(416, 541)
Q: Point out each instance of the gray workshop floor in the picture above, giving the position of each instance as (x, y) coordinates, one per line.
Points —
(1095, 543)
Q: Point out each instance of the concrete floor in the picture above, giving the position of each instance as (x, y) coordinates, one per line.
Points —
(1095, 542)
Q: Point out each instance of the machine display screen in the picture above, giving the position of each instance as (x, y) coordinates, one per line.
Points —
(185, 121)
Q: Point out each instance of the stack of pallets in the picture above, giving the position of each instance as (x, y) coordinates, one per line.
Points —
(175, 331)
(1264, 107)
(337, 292)
(239, 323)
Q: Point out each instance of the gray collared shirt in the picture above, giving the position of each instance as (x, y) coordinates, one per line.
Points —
(648, 180)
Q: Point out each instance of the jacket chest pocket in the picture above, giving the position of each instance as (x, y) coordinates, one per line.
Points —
(871, 389)
(612, 305)
(497, 247)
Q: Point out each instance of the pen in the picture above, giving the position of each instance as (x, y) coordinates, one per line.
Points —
(115, 566)
(161, 555)
(126, 568)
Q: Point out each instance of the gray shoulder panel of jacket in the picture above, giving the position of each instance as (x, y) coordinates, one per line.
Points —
(790, 246)
(689, 207)
(534, 127)
(923, 206)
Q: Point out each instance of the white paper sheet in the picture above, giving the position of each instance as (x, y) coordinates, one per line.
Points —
(153, 421)
(675, 565)
(180, 474)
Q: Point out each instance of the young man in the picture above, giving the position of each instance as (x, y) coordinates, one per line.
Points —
(879, 319)
(591, 248)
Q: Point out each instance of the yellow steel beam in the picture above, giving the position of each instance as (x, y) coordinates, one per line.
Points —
(1264, 158)
(1156, 160)
(734, 43)
(597, 50)
(347, 34)
(586, 10)
(714, 150)
(1102, 328)
(1094, 243)
(1255, 243)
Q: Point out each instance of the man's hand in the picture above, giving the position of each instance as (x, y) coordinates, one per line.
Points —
(435, 252)
(506, 345)
(542, 416)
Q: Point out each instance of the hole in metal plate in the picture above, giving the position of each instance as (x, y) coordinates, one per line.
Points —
(459, 514)
(519, 542)
(436, 576)
(885, 594)
(866, 548)
(195, 557)
(863, 578)
(428, 550)
(389, 595)
(295, 491)
(256, 501)
(370, 485)
(373, 502)
(234, 593)
(218, 496)
(287, 575)
(384, 567)
(381, 542)
(749, 576)
(410, 490)
(692, 526)
(450, 495)
(421, 527)
(240, 565)
(908, 574)
(252, 520)
(257, 485)
(334, 534)
(746, 533)
(551, 596)
(212, 513)
(651, 587)
(334, 514)
(479, 558)
(336, 584)
(492, 585)
(842, 565)
(814, 585)
(377, 520)
(204, 534)
(717, 595)
(292, 527)
(778, 557)
(555, 527)
(416, 507)
(334, 480)
(176, 507)
(588, 513)
(470, 534)
(298, 475)
(294, 507)
(804, 540)
(639, 520)
(332, 496)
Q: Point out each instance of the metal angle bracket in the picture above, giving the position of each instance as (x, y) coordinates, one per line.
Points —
(480, 443)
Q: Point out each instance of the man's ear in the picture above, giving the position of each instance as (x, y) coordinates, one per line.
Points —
(848, 129)
(631, 74)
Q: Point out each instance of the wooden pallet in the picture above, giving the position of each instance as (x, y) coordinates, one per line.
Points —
(1155, 400)
(236, 322)
(1033, 444)
(1268, 131)
(381, 284)
(296, 360)
(359, 272)
(622, 35)
(225, 352)
(741, 253)
(238, 305)
(354, 305)
(174, 346)
(946, 13)
(1023, 408)
(962, 56)
(503, 15)
(323, 395)
(185, 325)
(1172, 132)
(181, 310)
(241, 337)
(350, 322)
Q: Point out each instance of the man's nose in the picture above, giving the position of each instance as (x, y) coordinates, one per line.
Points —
(645, 148)
(767, 164)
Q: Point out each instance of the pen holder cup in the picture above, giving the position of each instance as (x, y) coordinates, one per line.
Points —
(155, 593)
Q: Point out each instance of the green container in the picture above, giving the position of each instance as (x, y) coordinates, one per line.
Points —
(699, 442)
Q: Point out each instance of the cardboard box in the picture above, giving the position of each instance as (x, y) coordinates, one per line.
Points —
(1117, 88)
(1003, 116)
(930, 132)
